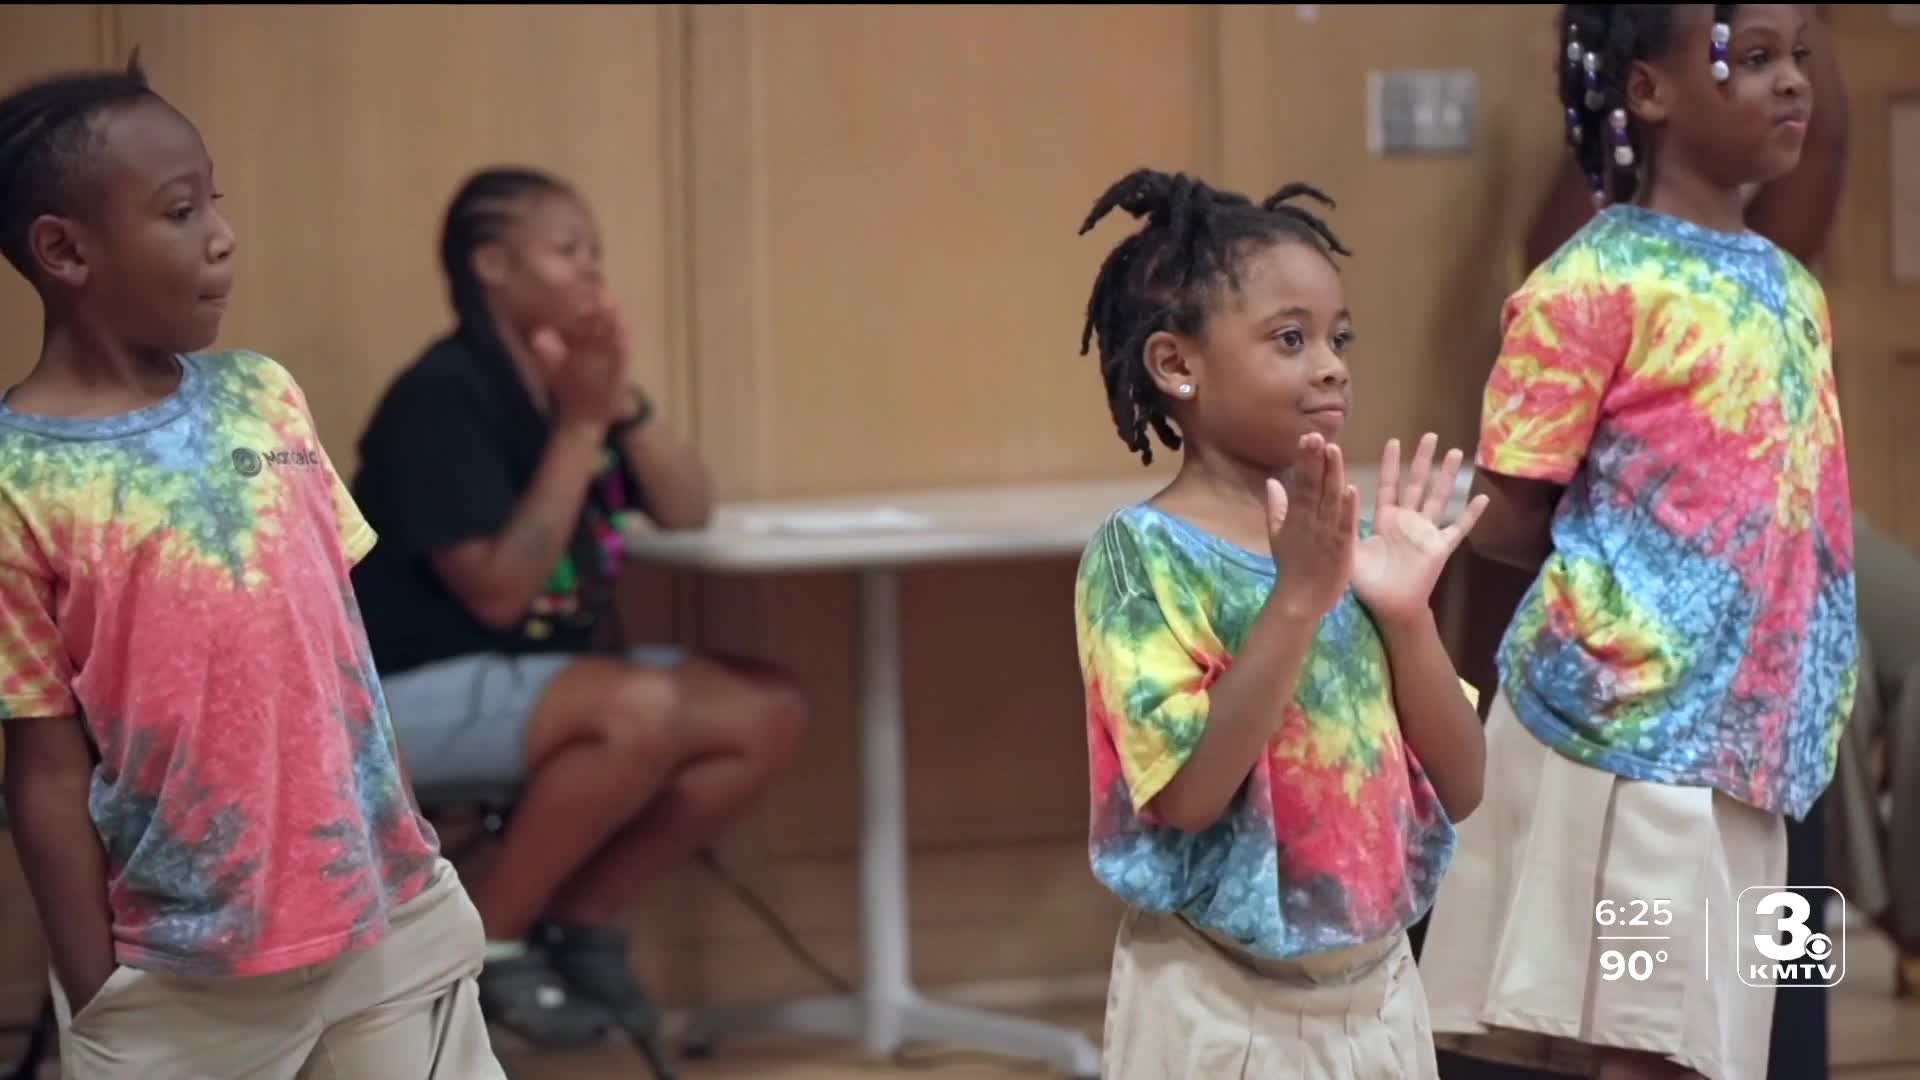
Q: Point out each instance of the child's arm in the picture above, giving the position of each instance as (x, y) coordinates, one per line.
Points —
(1181, 741)
(1565, 335)
(1248, 704)
(1185, 741)
(1517, 527)
(1394, 573)
(49, 768)
(1312, 535)
(1436, 716)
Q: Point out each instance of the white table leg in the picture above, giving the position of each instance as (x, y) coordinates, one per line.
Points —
(890, 1011)
(886, 985)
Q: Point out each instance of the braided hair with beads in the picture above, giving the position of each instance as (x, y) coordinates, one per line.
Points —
(1599, 44)
(1167, 277)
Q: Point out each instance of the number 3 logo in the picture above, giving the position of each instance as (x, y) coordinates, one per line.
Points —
(1794, 922)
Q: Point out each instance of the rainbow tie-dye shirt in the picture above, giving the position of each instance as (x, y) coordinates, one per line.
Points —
(1695, 622)
(1337, 837)
(178, 577)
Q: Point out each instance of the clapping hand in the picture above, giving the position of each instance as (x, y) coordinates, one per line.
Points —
(1395, 568)
(1312, 533)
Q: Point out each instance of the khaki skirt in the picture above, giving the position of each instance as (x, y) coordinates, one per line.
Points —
(1524, 965)
(1183, 1004)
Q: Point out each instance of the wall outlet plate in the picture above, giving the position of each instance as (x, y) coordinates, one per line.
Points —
(1421, 113)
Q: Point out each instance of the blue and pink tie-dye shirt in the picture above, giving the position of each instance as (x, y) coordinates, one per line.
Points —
(177, 577)
(1337, 838)
(1695, 622)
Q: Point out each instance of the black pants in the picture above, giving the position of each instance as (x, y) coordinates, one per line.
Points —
(1799, 1048)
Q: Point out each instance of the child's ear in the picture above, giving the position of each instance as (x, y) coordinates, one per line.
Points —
(1168, 365)
(1648, 93)
(58, 254)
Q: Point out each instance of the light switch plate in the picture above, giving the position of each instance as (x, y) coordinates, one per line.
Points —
(1421, 113)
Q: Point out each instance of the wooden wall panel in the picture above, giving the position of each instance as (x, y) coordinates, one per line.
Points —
(911, 276)
(1876, 335)
(1434, 239)
(340, 133)
(36, 40)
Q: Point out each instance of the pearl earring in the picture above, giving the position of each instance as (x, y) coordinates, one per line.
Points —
(1185, 389)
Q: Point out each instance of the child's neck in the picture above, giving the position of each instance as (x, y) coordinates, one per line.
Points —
(84, 371)
(1223, 494)
(1226, 479)
(1687, 195)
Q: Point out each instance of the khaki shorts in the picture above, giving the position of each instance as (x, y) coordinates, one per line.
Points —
(1514, 962)
(405, 1009)
(1184, 1005)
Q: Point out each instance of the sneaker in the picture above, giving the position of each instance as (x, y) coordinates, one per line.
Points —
(524, 995)
(593, 960)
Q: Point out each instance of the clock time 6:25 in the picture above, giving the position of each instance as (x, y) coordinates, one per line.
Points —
(1633, 913)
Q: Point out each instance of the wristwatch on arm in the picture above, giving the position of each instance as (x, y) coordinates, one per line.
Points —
(642, 412)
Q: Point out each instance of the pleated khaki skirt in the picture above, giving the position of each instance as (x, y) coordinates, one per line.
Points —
(1522, 963)
(1183, 1004)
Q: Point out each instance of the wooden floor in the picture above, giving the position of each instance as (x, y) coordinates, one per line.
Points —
(1874, 1037)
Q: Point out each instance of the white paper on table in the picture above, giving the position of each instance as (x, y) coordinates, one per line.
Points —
(834, 522)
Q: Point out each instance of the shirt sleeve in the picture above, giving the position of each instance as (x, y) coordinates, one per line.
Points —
(35, 675)
(356, 536)
(1563, 341)
(1146, 686)
(436, 465)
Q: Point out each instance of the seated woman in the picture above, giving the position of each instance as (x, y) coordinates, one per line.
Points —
(498, 470)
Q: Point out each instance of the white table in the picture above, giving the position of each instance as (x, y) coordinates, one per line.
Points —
(936, 527)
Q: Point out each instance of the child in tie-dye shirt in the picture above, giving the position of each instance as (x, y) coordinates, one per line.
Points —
(1662, 439)
(1278, 742)
(200, 772)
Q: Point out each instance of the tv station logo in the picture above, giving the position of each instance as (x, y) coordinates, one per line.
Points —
(1785, 950)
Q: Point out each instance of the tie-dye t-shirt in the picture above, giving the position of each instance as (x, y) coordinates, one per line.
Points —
(1695, 622)
(178, 577)
(1337, 837)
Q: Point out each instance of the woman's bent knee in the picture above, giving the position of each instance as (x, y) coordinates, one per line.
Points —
(643, 715)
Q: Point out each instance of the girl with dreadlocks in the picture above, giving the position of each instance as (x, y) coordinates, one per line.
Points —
(1662, 443)
(1279, 743)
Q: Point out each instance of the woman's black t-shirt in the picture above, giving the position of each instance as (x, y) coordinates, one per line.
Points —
(452, 448)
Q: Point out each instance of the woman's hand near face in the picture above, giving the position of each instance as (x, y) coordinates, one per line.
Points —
(587, 367)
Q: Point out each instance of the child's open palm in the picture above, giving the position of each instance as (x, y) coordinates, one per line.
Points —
(1395, 568)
